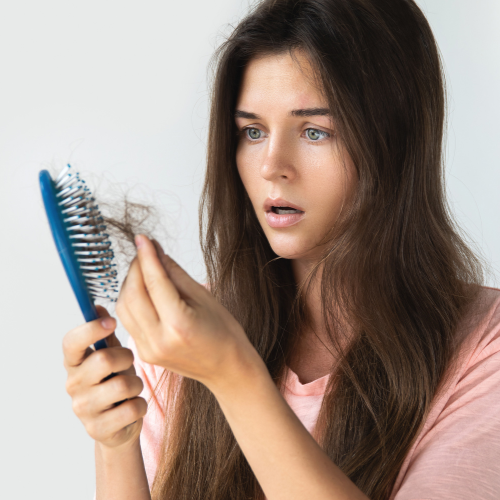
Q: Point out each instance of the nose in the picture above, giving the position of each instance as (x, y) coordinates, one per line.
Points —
(278, 161)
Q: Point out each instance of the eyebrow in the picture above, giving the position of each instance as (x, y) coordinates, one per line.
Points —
(295, 112)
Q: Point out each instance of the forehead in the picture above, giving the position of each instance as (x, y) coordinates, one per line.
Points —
(279, 80)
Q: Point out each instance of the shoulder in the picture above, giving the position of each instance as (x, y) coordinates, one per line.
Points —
(481, 327)
(477, 368)
(479, 372)
(455, 454)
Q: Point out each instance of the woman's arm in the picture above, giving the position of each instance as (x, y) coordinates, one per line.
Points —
(177, 324)
(115, 428)
(287, 461)
(120, 473)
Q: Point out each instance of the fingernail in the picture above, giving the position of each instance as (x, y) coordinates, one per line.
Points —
(108, 323)
(139, 241)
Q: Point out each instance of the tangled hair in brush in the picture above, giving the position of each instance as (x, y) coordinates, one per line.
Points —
(125, 214)
(125, 220)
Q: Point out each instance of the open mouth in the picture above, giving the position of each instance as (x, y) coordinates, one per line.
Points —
(285, 210)
(281, 217)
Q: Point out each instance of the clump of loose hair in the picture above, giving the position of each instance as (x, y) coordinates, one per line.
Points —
(124, 221)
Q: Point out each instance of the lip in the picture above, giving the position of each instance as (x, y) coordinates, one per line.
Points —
(285, 220)
(279, 202)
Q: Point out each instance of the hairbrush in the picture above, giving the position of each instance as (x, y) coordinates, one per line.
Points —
(83, 246)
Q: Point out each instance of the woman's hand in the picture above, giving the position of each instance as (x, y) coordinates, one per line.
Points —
(93, 398)
(178, 324)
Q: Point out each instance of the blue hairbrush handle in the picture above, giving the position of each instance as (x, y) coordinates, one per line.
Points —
(65, 250)
(55, 202)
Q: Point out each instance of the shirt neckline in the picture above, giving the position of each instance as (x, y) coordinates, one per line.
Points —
(314, 388)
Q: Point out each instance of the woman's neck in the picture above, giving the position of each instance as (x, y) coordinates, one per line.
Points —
(301, 269)
(312, 357)
(315, 353)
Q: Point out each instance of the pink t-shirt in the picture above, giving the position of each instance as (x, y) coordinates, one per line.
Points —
(457, 453)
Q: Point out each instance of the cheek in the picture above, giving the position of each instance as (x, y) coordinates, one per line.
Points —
(240, 163)
(329, 191)
(247, 171)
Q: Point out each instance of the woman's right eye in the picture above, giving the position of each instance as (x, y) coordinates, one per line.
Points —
(253, 133)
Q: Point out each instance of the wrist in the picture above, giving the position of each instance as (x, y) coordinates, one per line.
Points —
(245, 367)
(110, 454)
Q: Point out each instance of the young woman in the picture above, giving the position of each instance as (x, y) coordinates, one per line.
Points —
(344, 346)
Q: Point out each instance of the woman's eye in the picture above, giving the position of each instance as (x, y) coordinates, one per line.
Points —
(254, 133)
(314, 134)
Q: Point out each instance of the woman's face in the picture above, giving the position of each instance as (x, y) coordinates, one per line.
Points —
(287, 149)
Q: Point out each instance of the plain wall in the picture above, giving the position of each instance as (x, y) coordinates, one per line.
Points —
(119, 90)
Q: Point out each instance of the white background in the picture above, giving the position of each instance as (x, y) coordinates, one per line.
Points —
(119, 90)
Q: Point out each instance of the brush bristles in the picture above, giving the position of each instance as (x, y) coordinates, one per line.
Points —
(91, 245)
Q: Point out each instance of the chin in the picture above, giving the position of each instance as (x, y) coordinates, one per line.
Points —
(284, 250)
(291, 246)
(287, 250)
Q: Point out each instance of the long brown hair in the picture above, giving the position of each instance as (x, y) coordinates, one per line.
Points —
(396, 263)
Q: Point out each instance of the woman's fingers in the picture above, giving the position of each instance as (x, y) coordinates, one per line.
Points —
(113, 423)
(164, 279)
(77, 341)
(162, 291)
(93, 399)
(111, 339)
(103, 362)
(98, 366)
(103, 396)
(187, 286)
(120, 388)
(135, 298)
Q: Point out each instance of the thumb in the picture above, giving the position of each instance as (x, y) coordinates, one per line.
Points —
(111, 339)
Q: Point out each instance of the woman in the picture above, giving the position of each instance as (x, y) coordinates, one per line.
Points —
(347, 348)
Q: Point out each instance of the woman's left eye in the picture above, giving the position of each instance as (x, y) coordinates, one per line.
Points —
(313, 134)
(253, 133)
